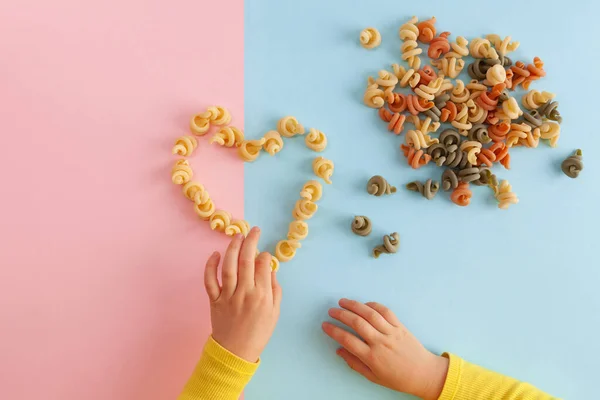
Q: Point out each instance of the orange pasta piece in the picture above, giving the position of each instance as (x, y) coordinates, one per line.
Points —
(449, 112)
(396, 120)
(501, 152)
(486, 156)
(416, 158)
(499, 131)
(396, 102)
(427, 75)
(416, 104)
(461, 196)
(486, 102)
(509, 78)
(426, 30)
(439, 46)
(492, 119)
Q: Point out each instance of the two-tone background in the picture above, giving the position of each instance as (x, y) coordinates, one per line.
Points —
(101, 257)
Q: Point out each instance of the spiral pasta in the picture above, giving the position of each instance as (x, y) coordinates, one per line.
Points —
(273, 142)
(480, 48)
(573, 164)
(215, 115)
(396, 103)
(469, 174)
(550, 111)
(439, 46)
(289, 127)
(510, 109)
(500, 151)
(516, 133)
(220, 220)
(479, 132)
(323, 168)
(449, 66)
(495, 75)
(475, 113)
(285, 250)
(472, 148)
(534, 99)
(416, 158)
(304, 209)
(228, 136)
(374, 97)
(426, 30)
(249, 150)
(460, 93)
(395, 121)
(459, 48)
(461, 196)
(391, 245)
(185, 146)
(378, 186)
(312, 190)
(316, 140)
(503, 46)
(428, 91)
(449, 180)
(406, 77)
(438, 153)
(298, 230)
(182, 172)
(237, 226)
(505, 196)
(274, 263)
(370, 38)
(205, 209)
(386, 79)
(550, 131)
(428, 189)
(361, 225)
(410, 48)
(461, 122)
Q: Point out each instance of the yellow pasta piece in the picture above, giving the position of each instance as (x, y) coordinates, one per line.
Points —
(289, 126)
(510, 110)
(495, 75)
(386, 79)
(220, 220)
(406, 78)
(193, 189)
(237, 226)
(274, 263)
(228, 136)
(476, 114)
(460, 93)
(419, 140)
(185, 146)
(480, 48)
(182, 172)
(505, 195)
(205, 210)
(215, 115)
(249, 150)
(503, 46)
(323, 168)
(304, 209)
(273, 142)
(425, 126)
(316, 140)
(449, 66)
(297, 230)
(533, 99)
(410, 49)
(459, 48)
(370, 38)
(374, 97)
(472, 148)
(285, 250)
(312, 190)
(550, 131)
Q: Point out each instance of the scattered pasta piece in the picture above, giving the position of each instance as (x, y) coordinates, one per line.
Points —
(361, 225)
(428, 190)
(316, 140)
(215, 115)
(289, 127)
(370, 38)
(182, 172)
(228, 136)
(312, 190)
(461, 196)
(273, 142)
(285, 250)
(220, 220)
(249, 150)
(391, 244)
(205, 209)
(323, 168)
(505, 195)
(297, 230)
(304, 209)
(185, 146)
(274, 263)
(237, 226)
(573, 165)
(378, 186)
(191, 190)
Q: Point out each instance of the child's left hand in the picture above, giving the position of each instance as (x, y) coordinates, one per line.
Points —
(245, 309)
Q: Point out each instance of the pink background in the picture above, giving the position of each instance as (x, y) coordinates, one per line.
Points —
(101, 257)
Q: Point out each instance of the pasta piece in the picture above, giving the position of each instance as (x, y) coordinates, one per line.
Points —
(304, 209)
(461, 196)
(550, 131)
(386, 79)
(439, 46)
(449, 137)
(396, 120)
(297, 230)
(550, 111)
(449, 66)
(249, 150)
(237, 226)
(191, 190)
(533, 99)
(456, 158)
(449, 180)
(472, 148)
(220, 220)
(426, 125)
(416, 158)
(500, 151)
(274, 263)
(479, 132)
(289, 127)
(378, 186)
(479, 48)
(496, 75)
(273, 142)
(460, 94)
(469, 174)
(426, 30)
(312, 190)
(182, 172)
(417, 105)
(438, 153)
(505, 195)
(316, 140)
(428, 75)
(459, 48)
(285, 250)
(370, 38)
(486, 157)
(361, 225)
(396, 103)
(428, 190)
(429, 91)
(510, 109)
(475, 113)
(391, 244)
(503, 46)
(205, 209)
(374, 97)
(406, 78)
(419, 140)
(185, 146)
(410, 48)
(215, 115)
(573, 164)
(461, 122)
(228, 136)
(323, 168)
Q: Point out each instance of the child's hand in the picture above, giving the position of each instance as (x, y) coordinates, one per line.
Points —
(245, 310)
(389, 355)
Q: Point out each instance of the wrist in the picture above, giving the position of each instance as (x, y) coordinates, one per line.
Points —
(434, 378)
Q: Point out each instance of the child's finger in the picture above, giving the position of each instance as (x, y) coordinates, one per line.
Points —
(356, 322)
(230, 265)
(277, 291)
(247, 257)
(211, 281)
(347, 340)
(262, 275)
(367, 313)
(385, 313)
(357, 365)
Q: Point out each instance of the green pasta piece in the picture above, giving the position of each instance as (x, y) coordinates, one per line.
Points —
(573, 165)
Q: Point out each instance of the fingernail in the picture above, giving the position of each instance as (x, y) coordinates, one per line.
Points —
(215, 254)
(256, 229)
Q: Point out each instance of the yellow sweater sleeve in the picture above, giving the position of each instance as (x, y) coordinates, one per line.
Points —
(466, 381)
(219, 375)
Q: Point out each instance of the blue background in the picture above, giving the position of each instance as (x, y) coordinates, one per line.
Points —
(515, 291)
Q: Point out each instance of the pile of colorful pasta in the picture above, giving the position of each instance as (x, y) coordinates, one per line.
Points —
(483, 119)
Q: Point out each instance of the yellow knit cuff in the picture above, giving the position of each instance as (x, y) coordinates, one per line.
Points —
(453, 377)
(230, 360)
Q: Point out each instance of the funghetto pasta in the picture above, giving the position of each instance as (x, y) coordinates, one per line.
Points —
(573, 164)
(391, 245)
(361, 225)
(215, 115)
(249, 150)
(273, 142)
(220, 220)
(378, 186)
(316, 140)
(323, 168)
(285, 250)
(228, 136)
(289, 127)
(304, 209)
(237, 226)
(182, 172)
(370, 38)
(312, 190)
(428, 189)
(185, 146)
(297, 230)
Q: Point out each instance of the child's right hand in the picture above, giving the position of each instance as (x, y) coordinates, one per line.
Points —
(388, 353)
